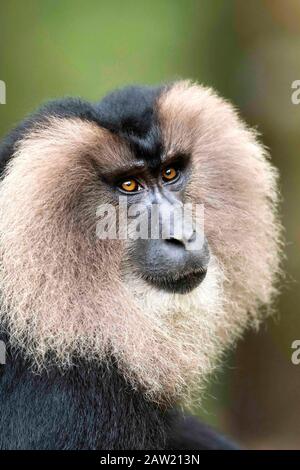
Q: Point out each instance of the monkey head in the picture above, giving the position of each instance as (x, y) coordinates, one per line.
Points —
(163, 308)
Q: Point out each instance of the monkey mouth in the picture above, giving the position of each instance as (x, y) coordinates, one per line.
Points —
(179, 284)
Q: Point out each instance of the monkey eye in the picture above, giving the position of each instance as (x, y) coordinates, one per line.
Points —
(129, 185)
(169, 174)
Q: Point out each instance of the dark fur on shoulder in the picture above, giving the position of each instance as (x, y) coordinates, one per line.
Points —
(89, 407)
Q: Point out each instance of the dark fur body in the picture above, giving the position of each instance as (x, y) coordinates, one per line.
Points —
(90, 406)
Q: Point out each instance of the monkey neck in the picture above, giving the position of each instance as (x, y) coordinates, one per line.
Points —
(89, 406)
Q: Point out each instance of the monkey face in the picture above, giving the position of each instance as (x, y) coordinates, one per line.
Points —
(171, 254)
(165, 306)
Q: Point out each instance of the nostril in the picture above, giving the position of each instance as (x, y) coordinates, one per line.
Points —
(174, 241)
(192, 237)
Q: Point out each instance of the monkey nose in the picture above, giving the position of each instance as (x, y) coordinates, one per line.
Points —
(189, 240)
(176, 265)
(188, 250)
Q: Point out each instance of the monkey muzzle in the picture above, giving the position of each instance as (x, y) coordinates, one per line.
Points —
(176, 260)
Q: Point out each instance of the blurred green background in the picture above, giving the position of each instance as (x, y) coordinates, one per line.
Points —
(250, 52)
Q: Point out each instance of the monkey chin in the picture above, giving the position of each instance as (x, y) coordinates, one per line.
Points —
(181, 284)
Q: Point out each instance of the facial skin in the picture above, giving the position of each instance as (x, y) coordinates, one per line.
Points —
(177, 262)
(164, 312)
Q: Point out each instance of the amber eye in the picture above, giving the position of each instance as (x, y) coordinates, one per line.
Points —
(169, 173)
(130, 185)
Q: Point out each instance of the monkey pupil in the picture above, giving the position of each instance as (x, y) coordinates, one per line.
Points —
(169, 173)
(129, 185)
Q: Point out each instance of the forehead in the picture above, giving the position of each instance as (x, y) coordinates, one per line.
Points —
(130, 114)
(139, 127)
(135, 124)
(147, 123)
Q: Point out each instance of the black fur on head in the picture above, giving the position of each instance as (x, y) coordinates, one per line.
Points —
(128, 113)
